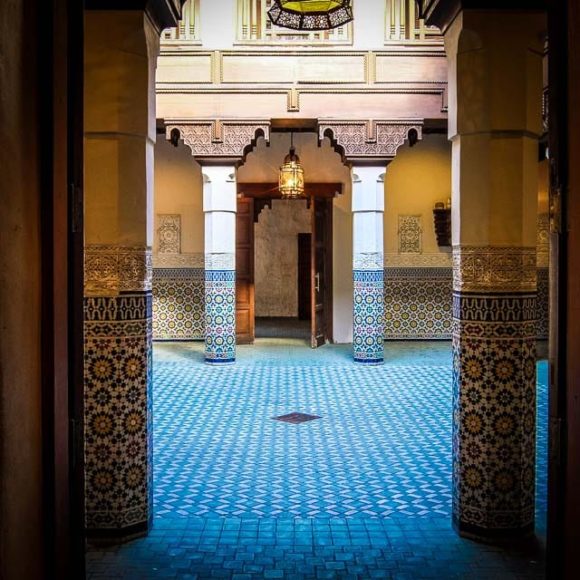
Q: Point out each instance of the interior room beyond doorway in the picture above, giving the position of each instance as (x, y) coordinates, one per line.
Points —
(282, 259)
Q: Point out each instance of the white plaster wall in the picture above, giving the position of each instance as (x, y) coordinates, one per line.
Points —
(276, 257)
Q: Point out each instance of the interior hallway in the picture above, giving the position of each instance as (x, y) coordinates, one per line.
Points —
(364, 491)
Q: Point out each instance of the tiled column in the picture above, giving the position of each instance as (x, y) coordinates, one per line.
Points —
(120, 137)
(494, 132)
(219, 206)
(368, 203)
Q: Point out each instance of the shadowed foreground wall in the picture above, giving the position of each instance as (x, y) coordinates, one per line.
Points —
(20, 279)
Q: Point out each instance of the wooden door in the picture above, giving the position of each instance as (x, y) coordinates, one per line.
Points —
(245, 312)
(321, 271)
(304, 276)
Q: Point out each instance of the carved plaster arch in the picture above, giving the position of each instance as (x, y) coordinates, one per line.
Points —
(210, 139)
(359, 140)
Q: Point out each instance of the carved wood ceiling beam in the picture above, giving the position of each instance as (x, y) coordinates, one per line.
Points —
(369, 141)
(213, 140)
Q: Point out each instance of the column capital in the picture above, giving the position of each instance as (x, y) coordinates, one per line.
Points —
(219, 188)
(442, 13)
(368, 185)
(163, 13)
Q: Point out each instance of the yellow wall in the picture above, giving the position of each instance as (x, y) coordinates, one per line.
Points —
(414, 181)
(178, 190)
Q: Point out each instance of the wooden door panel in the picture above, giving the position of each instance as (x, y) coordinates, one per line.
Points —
(245, 312)
(304, 277)
(321, 271)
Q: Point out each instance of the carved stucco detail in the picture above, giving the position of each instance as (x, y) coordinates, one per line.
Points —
(189, 260)
(494, 269)
(221, 139)
(543, 240)
(356, 140)
(169, 233)
(224, 261)
(428, 260)
(111, 269)
(368, 261)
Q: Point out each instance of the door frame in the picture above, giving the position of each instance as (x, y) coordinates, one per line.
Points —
(263, 195)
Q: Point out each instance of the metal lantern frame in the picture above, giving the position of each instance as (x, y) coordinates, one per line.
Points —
(291, 177)
(310, 15)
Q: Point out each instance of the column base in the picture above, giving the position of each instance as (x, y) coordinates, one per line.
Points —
(369, 362)
(226, 362)
(493, 535)
(116, 535)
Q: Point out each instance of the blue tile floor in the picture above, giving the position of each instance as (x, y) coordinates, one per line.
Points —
(363, 492)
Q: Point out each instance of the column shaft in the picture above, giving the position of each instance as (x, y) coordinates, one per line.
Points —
(368, 266)
(120, 136)
(495, 64)
(220, 201)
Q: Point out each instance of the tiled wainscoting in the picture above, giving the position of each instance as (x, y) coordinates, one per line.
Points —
(178, 304)
(418, 303)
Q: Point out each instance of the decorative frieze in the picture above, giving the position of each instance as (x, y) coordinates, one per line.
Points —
(224, 261)
(368, 261)
(543, 240)
(219, 139)
(410, 234)
(494, 269)
(359, 140)
(426, 260)
(111, 269)
(168, 233)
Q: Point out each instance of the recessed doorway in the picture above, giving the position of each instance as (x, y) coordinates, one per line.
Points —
(284, 264)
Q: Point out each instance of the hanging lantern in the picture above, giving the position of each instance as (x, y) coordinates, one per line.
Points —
(310, 14)
(291, 179)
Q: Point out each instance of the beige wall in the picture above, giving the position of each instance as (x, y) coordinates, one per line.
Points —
(276, 257)
(414, 181)
(178, 190)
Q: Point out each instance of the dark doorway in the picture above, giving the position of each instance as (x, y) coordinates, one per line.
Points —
(304, 276)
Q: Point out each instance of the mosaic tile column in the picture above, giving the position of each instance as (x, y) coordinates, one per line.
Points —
(118, 398)
(494, 207)
(494, 399)
(120, 136)
(219, 206)
(368, 266)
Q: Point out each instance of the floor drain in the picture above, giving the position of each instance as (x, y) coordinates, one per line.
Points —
(296, 418)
